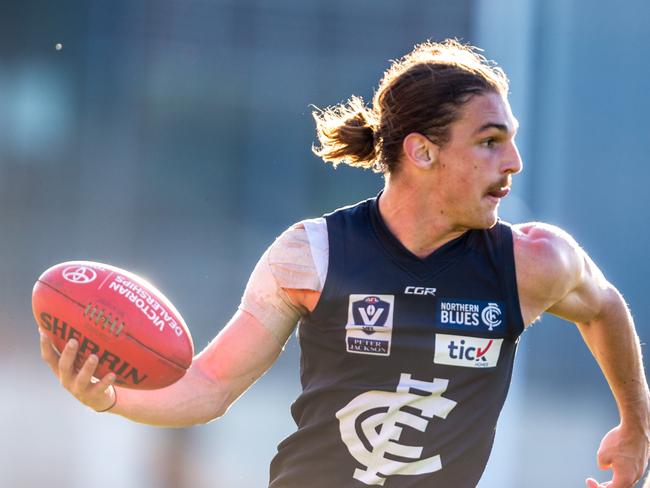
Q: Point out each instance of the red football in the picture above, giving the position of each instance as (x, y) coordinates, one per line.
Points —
(130, 325)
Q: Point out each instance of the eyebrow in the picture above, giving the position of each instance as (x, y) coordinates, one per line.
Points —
(497, 126)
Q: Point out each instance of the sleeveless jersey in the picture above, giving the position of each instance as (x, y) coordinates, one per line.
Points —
(405, 362)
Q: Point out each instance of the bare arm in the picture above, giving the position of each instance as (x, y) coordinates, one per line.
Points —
(609, 333)
(559, 277)
(284, 284)
(227, 367)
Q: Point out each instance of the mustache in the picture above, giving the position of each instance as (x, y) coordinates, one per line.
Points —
(505, 182)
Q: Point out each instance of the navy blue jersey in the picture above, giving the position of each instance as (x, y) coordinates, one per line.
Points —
(405, 362)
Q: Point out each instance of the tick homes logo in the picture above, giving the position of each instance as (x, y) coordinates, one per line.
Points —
(469, 315)
(370, 324)
(468, 352)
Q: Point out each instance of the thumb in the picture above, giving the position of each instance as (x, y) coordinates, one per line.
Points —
(604, 459)
(591, 483)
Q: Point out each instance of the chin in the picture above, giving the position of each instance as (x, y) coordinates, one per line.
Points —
(483, 217)
(486, 221)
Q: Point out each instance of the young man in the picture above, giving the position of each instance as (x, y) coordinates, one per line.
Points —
(410, 304)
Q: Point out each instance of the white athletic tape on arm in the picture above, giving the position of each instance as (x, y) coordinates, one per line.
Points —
(319, 245)
(291, 260)
(286, 264)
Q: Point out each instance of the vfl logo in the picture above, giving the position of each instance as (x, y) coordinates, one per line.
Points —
(491, 316)
(370, 324)
(371, 312)
(79, 274)
(372, 423)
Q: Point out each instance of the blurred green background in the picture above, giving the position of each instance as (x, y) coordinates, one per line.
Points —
(172, 138)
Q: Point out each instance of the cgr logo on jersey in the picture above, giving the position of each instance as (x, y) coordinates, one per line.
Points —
(420, 290)
(468, 352)
(372, 423)
(370, 324)
(469, 315)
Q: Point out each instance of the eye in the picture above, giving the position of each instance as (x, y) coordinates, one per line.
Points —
(489, 142)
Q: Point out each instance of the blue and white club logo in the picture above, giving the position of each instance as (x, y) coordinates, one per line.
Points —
(470, 314)
(491, 316)
(370, 312)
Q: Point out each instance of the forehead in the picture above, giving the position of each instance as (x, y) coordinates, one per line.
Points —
(486, 110)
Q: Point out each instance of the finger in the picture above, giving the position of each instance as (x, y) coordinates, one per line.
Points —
(48, 353)
(82, 381)
(102, 385)
(107, 392)
(66, 362)
(592, 483)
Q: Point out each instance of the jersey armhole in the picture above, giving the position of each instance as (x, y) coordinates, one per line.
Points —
(316, 230)
(321, 231)
(510, 278)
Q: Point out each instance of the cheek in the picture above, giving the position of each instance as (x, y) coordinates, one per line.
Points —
(472, 169)
(464, 179)
(469, 181)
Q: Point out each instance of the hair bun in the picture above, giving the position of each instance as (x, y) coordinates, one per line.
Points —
(346, 133)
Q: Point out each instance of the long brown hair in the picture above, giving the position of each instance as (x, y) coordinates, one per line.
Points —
(420, 92)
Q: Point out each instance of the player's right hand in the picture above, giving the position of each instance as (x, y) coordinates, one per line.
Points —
(96, 394)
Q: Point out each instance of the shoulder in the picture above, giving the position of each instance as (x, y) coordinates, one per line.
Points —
(556, 275)
(296, 256)
(545, 243)
(549, 264)
(298, 260)
(302, 231)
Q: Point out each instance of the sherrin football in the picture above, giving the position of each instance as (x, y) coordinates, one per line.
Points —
(125, 321)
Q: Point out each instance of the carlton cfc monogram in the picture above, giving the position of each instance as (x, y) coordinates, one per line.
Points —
(372, 423)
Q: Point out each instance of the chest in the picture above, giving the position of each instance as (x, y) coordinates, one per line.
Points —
(395, 319)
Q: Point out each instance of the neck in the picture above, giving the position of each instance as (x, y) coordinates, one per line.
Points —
(416, 217)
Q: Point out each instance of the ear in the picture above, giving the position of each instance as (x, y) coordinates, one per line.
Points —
(420, 151)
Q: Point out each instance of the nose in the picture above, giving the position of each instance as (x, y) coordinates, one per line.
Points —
(512, 163)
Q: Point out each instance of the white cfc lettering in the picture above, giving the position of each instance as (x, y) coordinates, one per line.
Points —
(459, 317)
(372, 423)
